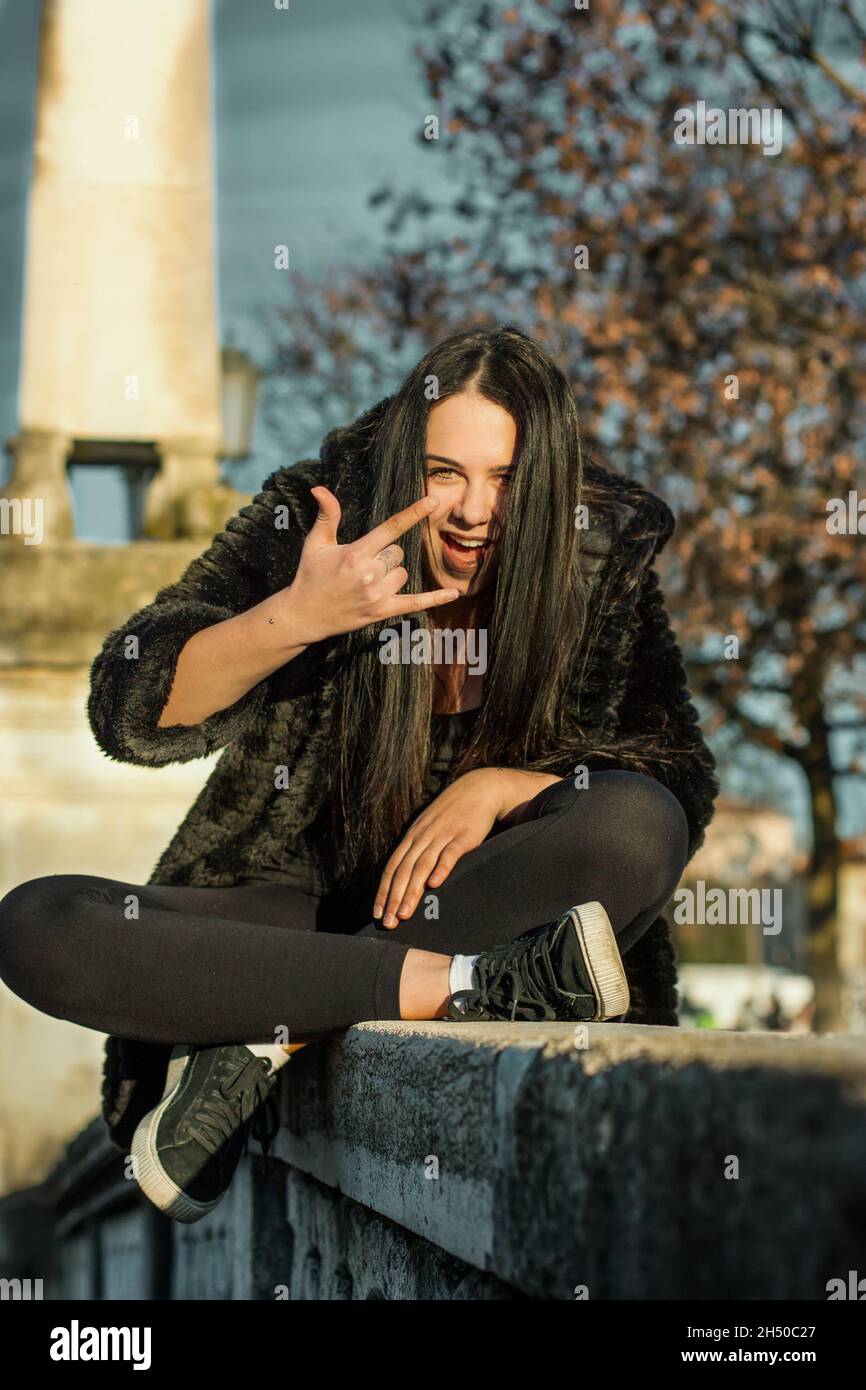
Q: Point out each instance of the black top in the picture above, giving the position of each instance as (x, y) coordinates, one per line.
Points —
(451, 733)
(300, 867)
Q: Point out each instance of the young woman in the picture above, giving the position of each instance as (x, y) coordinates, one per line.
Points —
(462, 775)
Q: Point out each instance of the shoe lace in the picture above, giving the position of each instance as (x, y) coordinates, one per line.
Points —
(243, 1105)
(523, 979)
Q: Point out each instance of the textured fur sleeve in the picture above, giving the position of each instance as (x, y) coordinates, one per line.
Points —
(659, 726)
(256, 555)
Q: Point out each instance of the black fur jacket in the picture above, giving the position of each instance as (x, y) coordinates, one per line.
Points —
(634, 698)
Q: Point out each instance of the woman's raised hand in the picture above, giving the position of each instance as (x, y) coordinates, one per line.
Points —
(340, 588)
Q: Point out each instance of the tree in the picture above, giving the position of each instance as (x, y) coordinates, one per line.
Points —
(707, 301)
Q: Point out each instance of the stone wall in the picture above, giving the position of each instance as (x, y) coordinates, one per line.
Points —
(65, 806)
(447, 1161)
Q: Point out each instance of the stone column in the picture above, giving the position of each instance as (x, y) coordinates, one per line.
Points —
(39, 471)
(119, 338)
(186, 498)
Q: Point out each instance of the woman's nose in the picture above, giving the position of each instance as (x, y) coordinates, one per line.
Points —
(474, 506)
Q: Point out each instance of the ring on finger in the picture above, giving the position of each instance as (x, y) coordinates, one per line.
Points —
(389, 557)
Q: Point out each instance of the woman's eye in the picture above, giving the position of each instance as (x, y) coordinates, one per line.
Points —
(441, 473)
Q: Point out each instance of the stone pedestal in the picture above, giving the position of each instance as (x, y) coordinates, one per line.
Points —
(39, 471)
(186, 498)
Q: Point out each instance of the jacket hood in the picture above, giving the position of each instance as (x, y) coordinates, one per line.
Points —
(631, 513)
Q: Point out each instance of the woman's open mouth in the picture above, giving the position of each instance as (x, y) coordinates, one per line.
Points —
(464, 554)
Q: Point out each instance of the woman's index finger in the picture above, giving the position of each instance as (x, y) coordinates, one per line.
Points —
(397, 525)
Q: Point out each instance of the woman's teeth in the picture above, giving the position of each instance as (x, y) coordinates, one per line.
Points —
(467, 547)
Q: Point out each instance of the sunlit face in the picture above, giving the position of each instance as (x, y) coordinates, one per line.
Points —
(470, 452)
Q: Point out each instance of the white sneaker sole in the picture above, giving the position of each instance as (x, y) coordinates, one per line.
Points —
(598, 946)
(147, 1169)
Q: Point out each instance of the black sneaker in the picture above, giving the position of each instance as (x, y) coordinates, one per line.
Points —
(133, 1080)
(186, 1151)
(569, 970)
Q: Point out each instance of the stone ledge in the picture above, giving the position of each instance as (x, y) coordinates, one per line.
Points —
(475, 1161)
(59, 601)
(601, 1166)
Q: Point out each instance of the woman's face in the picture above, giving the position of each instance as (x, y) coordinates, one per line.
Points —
(470, 451)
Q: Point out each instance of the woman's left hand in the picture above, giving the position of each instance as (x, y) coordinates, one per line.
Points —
(458, 820)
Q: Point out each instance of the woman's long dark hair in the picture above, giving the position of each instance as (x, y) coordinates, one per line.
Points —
(536, 610)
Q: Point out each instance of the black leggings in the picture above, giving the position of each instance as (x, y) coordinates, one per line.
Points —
(214, 965)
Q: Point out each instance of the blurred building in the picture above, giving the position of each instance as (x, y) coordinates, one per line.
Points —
(748, 846)
(735, 969)
(852, 933)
